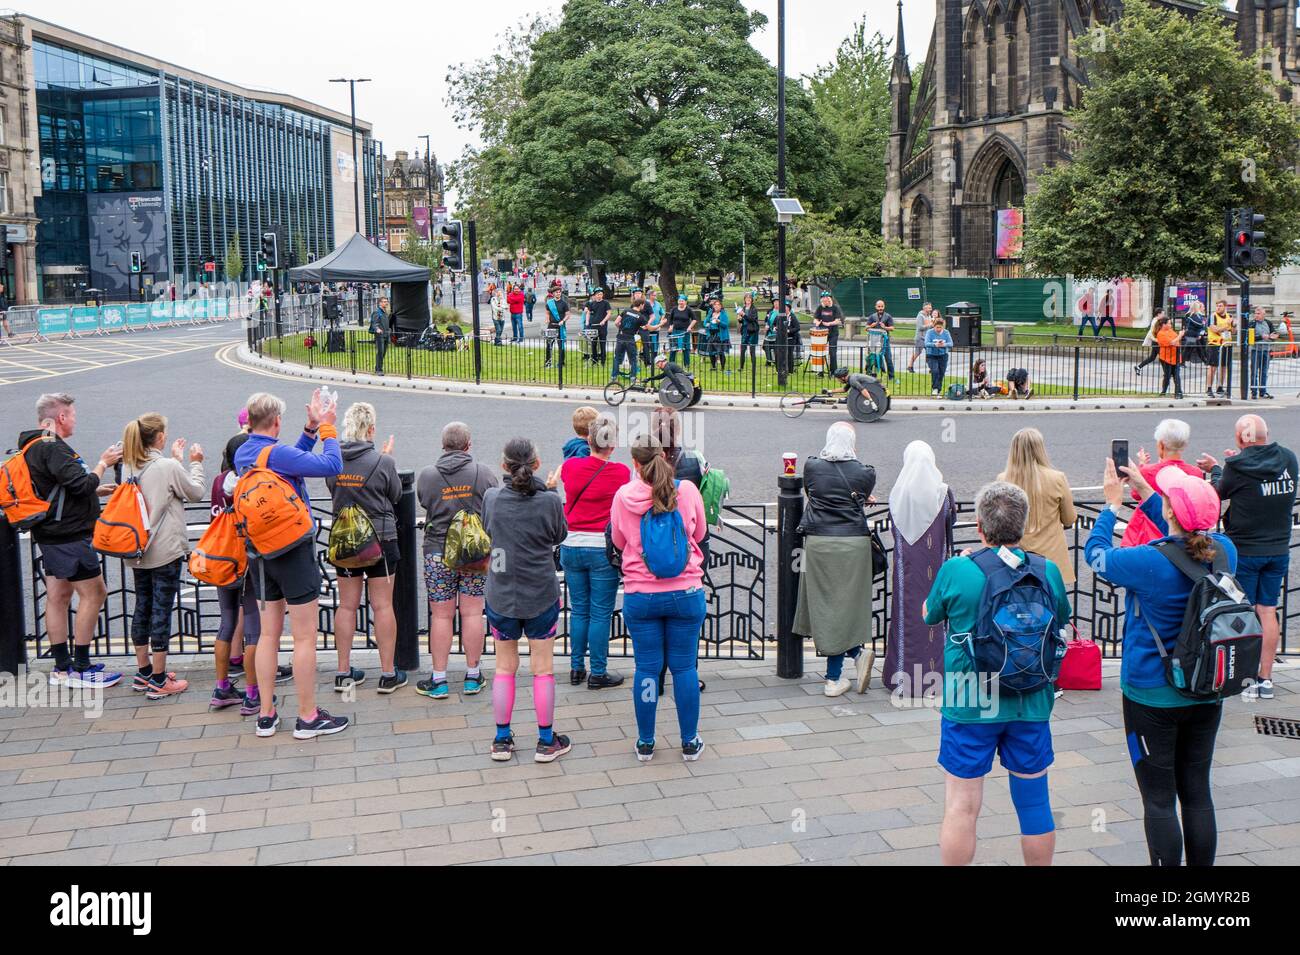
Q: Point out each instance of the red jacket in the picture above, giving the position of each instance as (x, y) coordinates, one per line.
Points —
(515, 302)
(1141, 529)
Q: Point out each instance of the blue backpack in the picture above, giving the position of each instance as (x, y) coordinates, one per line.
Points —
(1017, 635)
(665, 547)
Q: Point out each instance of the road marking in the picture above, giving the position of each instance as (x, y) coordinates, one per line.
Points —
(128, 353)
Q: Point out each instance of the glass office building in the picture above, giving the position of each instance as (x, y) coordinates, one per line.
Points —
(139, 158)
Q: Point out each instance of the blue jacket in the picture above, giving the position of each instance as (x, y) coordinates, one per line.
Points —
(932, 337)
(1154, 588)
(292, 462)
(719, 325)
(576, 447)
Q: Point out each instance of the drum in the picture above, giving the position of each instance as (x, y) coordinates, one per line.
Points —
(817, 349)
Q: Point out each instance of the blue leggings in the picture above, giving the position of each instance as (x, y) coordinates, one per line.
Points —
(665, 625)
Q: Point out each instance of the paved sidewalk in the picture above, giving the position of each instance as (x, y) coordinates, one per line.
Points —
(788, 777)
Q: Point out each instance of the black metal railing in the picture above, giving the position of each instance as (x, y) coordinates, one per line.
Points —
(1067, 368)
(735, 579)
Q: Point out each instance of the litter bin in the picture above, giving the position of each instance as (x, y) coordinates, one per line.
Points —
(964, 319)
(1002, 336)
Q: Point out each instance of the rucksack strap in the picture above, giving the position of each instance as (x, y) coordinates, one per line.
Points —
(1160, 644)
(1173, 552)
(264, 457)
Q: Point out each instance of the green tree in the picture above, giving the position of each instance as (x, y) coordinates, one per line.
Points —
(851, 96)
(647, 137)
(234, 260)
(482, 95)
(822, 249)
(299, 250)
(1176, 126)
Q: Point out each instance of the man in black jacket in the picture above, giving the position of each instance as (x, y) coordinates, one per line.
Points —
(69, 563)
(1258, 483)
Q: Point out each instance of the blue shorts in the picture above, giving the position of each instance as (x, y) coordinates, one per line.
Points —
(541, 627)
(1261, 578)
(966, 749)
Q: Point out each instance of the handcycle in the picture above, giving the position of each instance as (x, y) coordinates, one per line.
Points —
(861, 408)
(670, 394)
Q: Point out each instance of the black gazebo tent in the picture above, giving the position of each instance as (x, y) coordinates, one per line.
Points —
(358, 260)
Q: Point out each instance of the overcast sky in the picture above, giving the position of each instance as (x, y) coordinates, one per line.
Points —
(404, 46)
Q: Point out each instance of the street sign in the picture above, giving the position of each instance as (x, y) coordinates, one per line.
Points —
(209, 266)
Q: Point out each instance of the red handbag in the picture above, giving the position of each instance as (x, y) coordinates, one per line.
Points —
(1081, 668)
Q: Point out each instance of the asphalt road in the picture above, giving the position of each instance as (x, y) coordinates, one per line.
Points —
(179, 373)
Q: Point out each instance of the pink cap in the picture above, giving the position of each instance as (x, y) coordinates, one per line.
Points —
(1193, 500)
(242, 417)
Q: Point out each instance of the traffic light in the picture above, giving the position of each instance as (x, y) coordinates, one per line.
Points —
(261, 261)
(1244, 248)
(270, 254)
(137, 263)
(453, 246)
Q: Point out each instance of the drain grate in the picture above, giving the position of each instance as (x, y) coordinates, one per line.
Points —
(1277, 726)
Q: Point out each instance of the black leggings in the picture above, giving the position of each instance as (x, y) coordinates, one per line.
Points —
(1171, 749)
(1155, 354)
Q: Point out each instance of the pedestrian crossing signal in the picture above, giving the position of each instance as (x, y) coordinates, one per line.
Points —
(137, 263)
(270, 251)
(453, 246)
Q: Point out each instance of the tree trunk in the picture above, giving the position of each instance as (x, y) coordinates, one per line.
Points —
(1158, 293)
(668, 280)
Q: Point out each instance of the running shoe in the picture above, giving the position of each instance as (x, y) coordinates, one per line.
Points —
(503, 749)
(391, 684)
(433, 689)
(353, 677)
(283, 674)
(322, 725)
(1263, 690)
(94, 678)
(267, 725)
(837, 687)
(169, 687)
(691, 751)
(645, 751)
(140, 682)
(221, 699)
(252, 705)
(550, 752)
(474, 684)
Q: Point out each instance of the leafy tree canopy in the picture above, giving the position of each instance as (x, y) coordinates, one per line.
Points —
(1175, 127)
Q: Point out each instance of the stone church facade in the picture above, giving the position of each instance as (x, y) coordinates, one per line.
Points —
(989, 113)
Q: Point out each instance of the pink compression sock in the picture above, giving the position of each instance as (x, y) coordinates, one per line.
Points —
(544, 698)
(503, 697)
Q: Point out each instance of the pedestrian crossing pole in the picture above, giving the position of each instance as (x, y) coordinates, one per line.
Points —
(473, 298)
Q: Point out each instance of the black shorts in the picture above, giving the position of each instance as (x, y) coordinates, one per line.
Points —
(292, 577)
(70, 560)
(386, 566)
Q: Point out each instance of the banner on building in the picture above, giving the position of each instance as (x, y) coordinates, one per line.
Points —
(1010, 228)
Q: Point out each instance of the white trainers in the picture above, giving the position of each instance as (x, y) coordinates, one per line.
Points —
(1263, 690)
(862, 669)
(837, 687)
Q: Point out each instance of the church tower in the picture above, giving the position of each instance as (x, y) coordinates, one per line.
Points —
(900, 122)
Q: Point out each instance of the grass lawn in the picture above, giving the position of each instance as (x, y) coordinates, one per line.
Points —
(524, 365)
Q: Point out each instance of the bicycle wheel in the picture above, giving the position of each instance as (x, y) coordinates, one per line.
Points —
(794, 404)
(866, 411)
(615, 392)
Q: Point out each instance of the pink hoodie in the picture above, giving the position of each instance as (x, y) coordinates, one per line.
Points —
(630, 503)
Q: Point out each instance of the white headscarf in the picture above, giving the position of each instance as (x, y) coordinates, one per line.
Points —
(918, 493)
(841, 443)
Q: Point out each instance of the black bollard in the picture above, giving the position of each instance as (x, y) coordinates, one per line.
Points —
(13, 622)
(789, 512)
(406, 586)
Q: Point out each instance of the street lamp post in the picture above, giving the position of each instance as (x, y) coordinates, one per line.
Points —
(356, 171)
(782, 333)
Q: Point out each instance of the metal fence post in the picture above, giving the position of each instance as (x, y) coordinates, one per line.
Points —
(13, 623)
(789, 511)
(1076, 372)
(406, 588)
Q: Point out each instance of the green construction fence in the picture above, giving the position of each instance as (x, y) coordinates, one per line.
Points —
(1000, 300)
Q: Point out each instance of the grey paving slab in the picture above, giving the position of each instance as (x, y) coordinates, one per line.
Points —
(789, 777)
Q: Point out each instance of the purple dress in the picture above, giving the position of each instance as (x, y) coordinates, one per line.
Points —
(911, 643)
